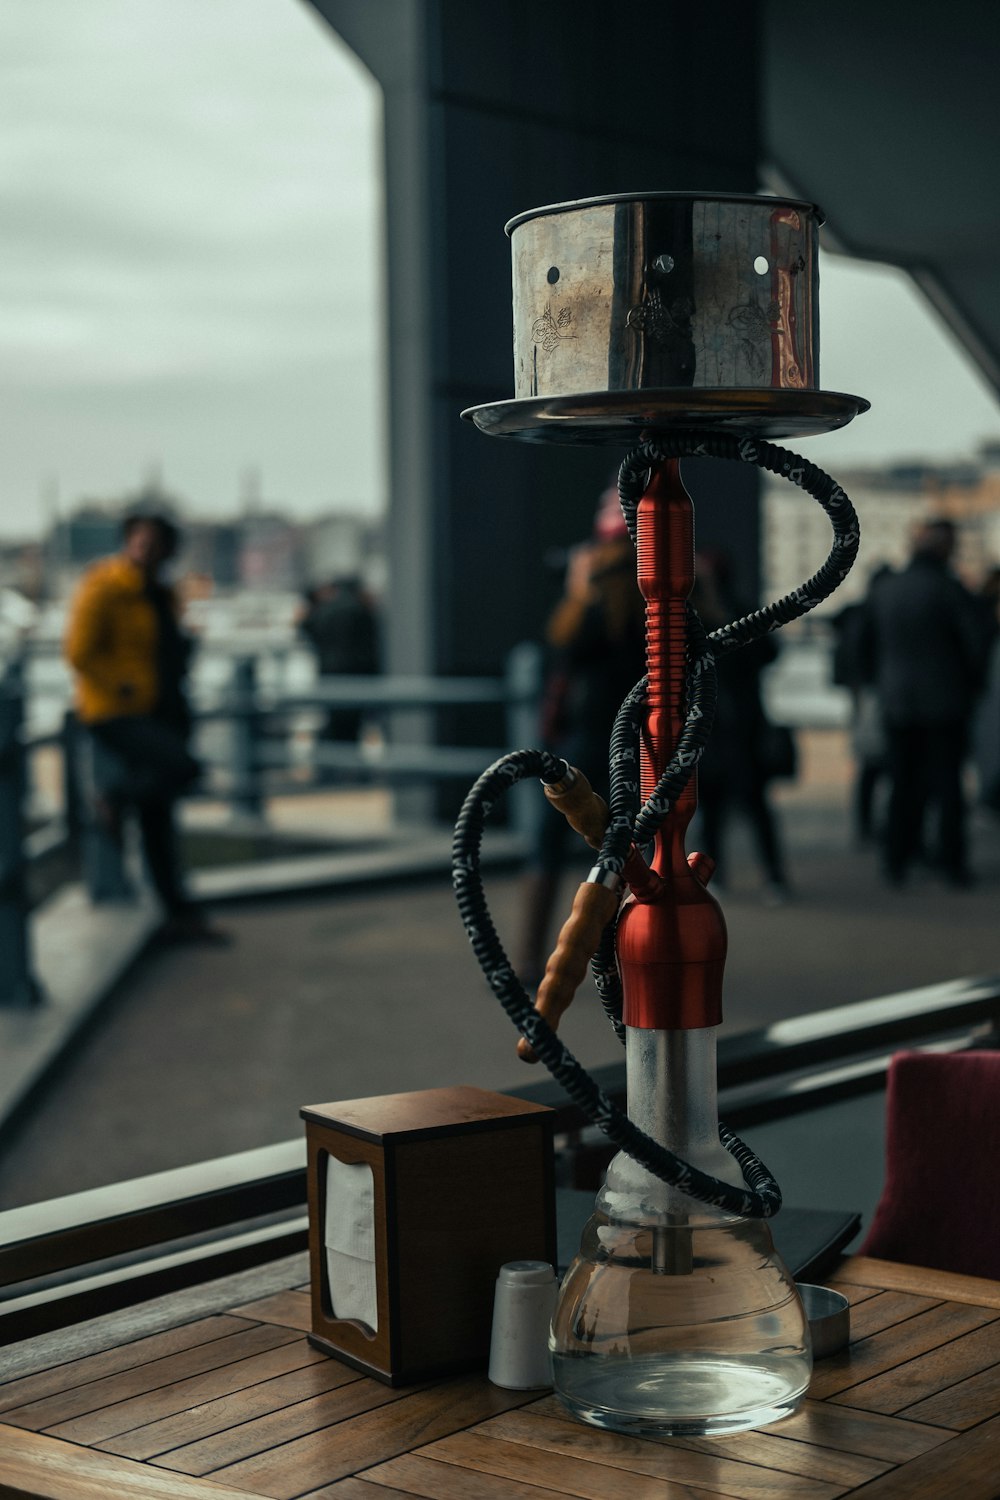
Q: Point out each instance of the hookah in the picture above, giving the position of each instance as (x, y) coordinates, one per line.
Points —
(677, 1316)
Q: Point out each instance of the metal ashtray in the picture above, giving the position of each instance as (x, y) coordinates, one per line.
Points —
(829, 1315)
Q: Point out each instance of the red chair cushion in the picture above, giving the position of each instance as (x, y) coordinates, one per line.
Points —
(940, 1205)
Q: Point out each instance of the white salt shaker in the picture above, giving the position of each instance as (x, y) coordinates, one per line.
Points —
(523, 1305)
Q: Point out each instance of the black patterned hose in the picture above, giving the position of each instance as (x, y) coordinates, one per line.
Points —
(702, 650)
(631, 825)
(761, 1198)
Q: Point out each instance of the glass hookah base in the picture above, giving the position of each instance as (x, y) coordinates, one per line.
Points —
(680, 1395)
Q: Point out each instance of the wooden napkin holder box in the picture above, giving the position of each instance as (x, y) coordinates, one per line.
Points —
(462, 1182)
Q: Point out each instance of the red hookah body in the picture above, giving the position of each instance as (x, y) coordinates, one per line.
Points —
(671, 941)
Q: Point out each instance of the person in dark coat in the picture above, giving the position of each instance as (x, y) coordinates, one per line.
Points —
(852, 669)
(986, 726)
(927, 651)
(734, 772)
(340, 623)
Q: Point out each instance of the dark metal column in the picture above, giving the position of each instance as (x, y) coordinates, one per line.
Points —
(490, 110)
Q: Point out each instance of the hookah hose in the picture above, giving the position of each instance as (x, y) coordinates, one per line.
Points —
(631, 826)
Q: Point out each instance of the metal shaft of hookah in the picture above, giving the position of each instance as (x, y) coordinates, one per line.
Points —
(677, 1317)
(671, 940)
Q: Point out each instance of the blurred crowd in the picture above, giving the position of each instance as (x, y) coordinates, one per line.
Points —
(130, 651)
(920, 657)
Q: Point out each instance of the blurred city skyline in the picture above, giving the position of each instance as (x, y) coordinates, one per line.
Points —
(193, 272)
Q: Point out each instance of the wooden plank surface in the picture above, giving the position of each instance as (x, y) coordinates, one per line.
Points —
(425, 1477)
(239, 1404)
(771, 1448)
(963, 1405)
(888, 1275)
(932, 1373)
(362, 1489)
(170, 1310)
(861, 1432)
(967, 1468)
(321, 1457)
(249, 1438)
(562, 1438)
(291, 1309)
(149, 1407)
(62, 1406)
(470, 1466)
(206, 1418)
(884, 1310)
(771, 1451)
(60, 1375)
(32, 1464)
(894, 1346)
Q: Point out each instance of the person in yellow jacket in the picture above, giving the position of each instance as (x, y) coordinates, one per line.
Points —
(129, 658)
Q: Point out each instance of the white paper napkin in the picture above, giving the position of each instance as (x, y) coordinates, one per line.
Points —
(349, 1239)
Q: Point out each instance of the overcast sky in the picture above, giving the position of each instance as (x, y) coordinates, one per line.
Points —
(190, 271)
(188, 254)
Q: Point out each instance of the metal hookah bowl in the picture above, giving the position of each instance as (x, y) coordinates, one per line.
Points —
(643, 311)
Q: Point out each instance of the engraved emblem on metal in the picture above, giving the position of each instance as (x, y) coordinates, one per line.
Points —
(756, 325)
(550, 332)
(658, 321)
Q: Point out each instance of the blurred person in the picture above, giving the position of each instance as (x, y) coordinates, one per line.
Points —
(130, 658)
(339, 621)
(986, 725)
(988, 607)
(928, 653)
(736, 767)
(853, 670)
(596, 644)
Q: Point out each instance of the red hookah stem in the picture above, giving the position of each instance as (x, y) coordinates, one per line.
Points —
(665, 571)
(671, 940)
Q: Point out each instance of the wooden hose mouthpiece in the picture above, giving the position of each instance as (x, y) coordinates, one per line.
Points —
(593, 908)
(585, 812)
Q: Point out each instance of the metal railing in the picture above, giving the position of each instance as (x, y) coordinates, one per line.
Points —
(251, 740)
(261, 739)
(17, 984)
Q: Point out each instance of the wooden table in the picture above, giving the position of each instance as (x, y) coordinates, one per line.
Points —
(233, 1402)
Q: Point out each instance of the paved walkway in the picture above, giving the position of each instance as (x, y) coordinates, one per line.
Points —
(370, 990)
